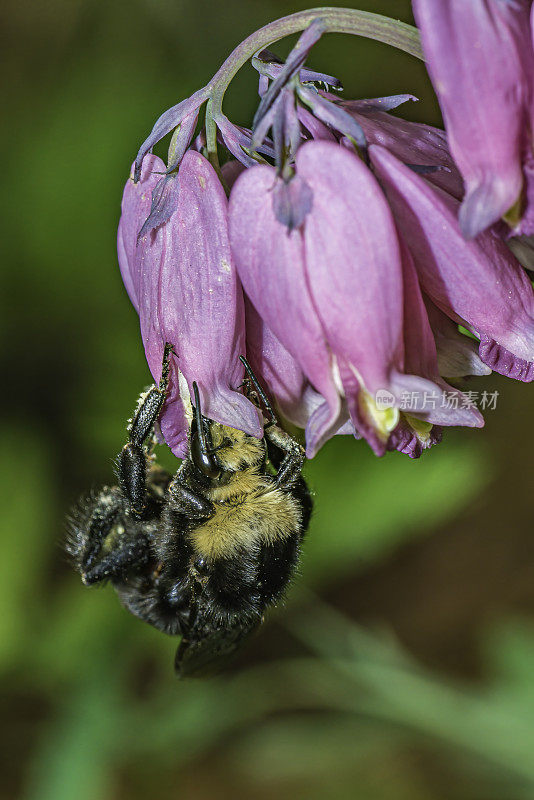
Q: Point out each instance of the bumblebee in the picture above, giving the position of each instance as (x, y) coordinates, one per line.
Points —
(201, 554)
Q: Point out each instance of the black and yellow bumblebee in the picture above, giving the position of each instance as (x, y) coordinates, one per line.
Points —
(201, 554)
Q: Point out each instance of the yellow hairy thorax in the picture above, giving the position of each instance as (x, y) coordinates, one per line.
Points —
(249, 510)
(241, 450)
(247, 521)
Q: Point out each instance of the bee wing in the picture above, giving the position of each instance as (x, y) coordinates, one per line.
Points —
(208, 653)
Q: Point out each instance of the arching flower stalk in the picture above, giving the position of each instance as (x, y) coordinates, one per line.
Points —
(337, 265)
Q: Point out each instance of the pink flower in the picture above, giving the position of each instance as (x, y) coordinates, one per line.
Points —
(331, 292)
(182, 280)
(478, 283)
(343, 228)
(480, 58)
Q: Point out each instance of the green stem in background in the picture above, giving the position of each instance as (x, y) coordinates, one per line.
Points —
(336, 20)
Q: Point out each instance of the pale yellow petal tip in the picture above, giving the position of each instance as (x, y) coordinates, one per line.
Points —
(384, 420)
(421, 428)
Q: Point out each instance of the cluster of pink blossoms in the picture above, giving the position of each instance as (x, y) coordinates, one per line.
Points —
(340, 247)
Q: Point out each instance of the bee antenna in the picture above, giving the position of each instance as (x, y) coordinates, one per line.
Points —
(259, 389)
(198, 418)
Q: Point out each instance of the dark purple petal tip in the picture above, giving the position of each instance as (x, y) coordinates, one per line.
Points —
(405, 440)
(292, 202)
(164, 201)
(505, 363)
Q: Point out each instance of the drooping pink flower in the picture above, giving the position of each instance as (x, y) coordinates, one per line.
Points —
(184, 285)
(347, 243)
(478, 283)
(331, 292)
(480, 58)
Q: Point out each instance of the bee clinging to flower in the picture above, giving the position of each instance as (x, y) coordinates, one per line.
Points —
(201, 554)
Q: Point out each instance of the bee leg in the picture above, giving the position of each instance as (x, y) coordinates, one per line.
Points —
(288, 456)
(132, 461)
(85, 541)
(185, 501)
(119, 561)
(147, 597)
(94, 555)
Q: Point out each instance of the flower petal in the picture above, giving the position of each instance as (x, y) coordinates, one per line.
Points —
(286, 133)
(352, 259)
(411, 142)
(353, 265)
(457, 353)
(169, 120)
(478, 55)
(278, 371)
(294, 62)
(421, 358)
(238, 141)
(269, 65)
(270, 263)
(377, 103)
(333, 115)
(316, 128)
(191, 297)
(292, 201)
(135, 208)
(412, 442)
(501, 360)
(164, 200)
(231, 171)
(477, 282)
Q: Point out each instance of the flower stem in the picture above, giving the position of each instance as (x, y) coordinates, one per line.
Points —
(211, 137)
(336, 20)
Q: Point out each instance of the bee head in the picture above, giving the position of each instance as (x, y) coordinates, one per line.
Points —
(217, 449)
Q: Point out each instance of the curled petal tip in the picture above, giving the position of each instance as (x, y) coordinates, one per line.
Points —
(504, 362)
(483, 205)
(322, 424)
(380, 103)
(169, 120)
(412, 437)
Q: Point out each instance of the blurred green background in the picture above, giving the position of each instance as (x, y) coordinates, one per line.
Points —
(401, 667)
